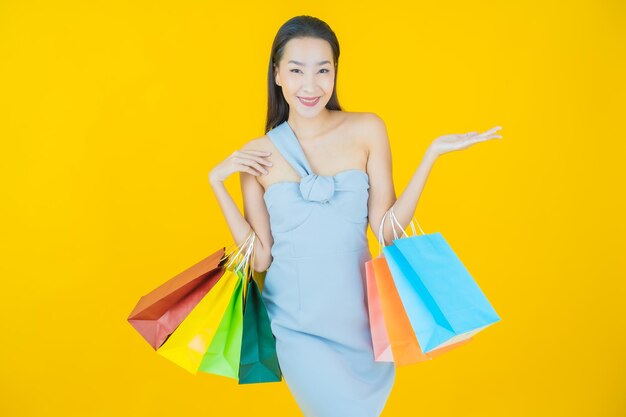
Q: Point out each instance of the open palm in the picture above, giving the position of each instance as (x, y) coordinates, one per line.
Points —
(455, 142)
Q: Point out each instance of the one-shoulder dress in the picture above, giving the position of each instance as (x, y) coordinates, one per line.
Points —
(314, 289)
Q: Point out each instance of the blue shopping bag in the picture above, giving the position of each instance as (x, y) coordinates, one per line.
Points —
(443, 302)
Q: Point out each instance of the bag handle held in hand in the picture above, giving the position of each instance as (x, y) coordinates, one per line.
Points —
(381, 238)
(394, 222)
(248, 245)
(395, 219)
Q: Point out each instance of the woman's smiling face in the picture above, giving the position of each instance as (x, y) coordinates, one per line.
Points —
(306, 74)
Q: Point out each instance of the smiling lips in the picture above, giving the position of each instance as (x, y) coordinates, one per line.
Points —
(309, 101)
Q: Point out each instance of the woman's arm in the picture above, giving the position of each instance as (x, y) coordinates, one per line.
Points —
(382, 191)
(405, 206)
(250, 162)
(379, 167)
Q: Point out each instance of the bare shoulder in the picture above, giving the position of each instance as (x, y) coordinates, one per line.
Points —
(369, 128)
(261, 143)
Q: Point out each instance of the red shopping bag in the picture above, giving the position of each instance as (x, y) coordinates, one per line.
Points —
(158, 313)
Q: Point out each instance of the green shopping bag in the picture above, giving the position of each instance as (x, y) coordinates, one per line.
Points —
(222, 356)
(259, 362)
(244, 347)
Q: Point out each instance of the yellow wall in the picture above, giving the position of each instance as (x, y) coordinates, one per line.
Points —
(112, 114)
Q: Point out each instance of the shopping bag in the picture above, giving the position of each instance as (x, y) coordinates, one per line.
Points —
(442, 301)
(392, 334)
(159, 312)
(222, 356)
(380, 339)
(258, 360)
(191, 340)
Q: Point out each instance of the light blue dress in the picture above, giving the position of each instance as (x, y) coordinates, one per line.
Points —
(314, 289)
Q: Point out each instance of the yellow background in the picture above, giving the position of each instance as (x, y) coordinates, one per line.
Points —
(112, 113)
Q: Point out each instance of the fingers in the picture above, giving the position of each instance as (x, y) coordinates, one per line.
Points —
(262, 160)
(250, 152)
(252, 161)
(486, 133)
(472, 137)
(260, 153)
(489, 134)
(491, 131)
(253, 155)
(247, 162)
(250, 171)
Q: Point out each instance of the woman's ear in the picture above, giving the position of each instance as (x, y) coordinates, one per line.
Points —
(276, 76)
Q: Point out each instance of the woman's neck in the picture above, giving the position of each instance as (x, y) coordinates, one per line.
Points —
(310, 127)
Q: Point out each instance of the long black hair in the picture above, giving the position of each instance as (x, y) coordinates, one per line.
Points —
(296, 27)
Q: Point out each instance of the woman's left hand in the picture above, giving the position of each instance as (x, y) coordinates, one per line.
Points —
(449, 143)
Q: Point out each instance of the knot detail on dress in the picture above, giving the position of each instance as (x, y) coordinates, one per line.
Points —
(317, 187)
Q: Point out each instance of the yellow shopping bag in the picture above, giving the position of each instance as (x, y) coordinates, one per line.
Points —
(190, 341)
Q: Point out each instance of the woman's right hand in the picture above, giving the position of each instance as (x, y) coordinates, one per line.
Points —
(249, 161)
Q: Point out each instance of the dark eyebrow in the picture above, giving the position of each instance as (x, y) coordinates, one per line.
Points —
(301, 64)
